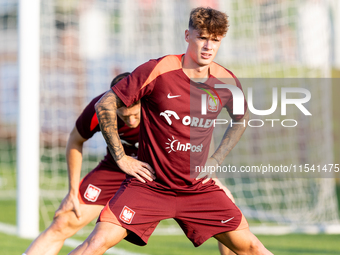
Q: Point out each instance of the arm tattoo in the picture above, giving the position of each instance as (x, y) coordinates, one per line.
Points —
(106, 109)
(231, 136)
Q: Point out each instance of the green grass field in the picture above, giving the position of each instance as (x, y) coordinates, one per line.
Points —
(169, 245)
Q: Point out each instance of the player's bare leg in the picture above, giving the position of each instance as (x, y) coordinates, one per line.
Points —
(103, 237)
(225, 250)
(242, 242)
(51, 240)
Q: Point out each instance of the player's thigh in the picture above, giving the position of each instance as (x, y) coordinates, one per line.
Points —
(89, 212)
(240, 241)
(106, 234)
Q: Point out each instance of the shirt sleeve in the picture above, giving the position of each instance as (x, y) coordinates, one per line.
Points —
(87, 123)
(137, 85)
(230, 104)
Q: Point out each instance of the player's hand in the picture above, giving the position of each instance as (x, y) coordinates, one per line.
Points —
(136, 168)
(211, 162)
(70, 203)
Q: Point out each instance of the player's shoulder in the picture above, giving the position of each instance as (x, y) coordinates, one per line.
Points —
(220, 71)
(168, 62)
(163, 65)
(174, 58)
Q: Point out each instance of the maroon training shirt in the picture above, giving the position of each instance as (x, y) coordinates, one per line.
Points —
(174, 134)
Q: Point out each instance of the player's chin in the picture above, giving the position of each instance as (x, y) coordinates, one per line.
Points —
(204, 62)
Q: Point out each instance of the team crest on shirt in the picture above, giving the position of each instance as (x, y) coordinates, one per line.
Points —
(127, 214)
(212, 104)
(92, 193)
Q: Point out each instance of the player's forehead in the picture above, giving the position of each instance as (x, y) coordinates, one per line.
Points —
(205, 33)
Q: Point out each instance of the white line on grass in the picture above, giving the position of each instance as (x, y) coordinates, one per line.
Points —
(8, 229)
(73, 243)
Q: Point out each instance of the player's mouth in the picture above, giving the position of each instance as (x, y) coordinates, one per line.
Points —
(206, 55)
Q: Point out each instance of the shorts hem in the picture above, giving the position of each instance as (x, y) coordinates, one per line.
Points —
(132, 237)
(135, 238)
(243, 225)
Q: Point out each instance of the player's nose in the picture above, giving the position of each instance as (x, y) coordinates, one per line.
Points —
(132, 120)
(208, 44)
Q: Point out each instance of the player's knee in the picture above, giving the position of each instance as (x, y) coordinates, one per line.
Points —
(255, 247)
(61, 225)
(99, 242)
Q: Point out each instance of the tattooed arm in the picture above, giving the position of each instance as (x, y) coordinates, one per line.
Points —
(231, 137)
(106, 109)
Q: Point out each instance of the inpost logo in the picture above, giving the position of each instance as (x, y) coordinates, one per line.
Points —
(174, 145)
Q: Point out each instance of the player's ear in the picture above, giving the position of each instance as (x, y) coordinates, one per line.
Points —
(186, 34)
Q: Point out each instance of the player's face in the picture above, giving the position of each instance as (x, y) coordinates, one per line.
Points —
(131, 116)
(202, 47)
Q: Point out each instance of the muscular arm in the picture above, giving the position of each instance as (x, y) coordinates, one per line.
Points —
(74, 157)
(106, 109)
(214, 177)
(230, 138)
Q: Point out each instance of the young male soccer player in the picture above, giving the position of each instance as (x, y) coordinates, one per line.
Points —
(84, 201)
(174, 137)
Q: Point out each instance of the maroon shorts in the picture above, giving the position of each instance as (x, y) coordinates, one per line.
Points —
(139, 208)
(100, 185)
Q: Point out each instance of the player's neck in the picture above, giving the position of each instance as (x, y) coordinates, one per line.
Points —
(193, 70)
